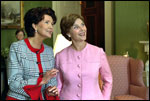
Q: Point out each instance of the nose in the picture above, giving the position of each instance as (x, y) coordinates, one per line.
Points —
(82, 28)
(50, 26)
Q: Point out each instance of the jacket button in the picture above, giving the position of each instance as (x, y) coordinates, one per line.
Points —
(79, 75)
(37, 52)
(78, 57)
(78, 95)
(78, 66)
(79, 85)
(38, 62)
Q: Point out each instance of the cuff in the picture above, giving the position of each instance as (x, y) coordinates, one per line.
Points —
(34, 91)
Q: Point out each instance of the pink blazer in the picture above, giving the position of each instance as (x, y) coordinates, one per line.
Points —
(78, 74)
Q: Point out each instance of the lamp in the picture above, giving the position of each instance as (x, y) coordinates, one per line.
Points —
(60, 43)
(146, 72)
(146, 49)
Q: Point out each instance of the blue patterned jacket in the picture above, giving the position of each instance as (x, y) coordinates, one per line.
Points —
(24, 65)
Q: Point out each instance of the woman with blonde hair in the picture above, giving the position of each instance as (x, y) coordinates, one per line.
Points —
(80, 64)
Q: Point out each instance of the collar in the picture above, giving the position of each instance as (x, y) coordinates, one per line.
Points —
(33, 49)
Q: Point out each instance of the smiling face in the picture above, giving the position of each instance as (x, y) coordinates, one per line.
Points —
(78, 31)
(45, 27)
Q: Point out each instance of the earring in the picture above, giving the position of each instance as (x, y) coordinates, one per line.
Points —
(69, 35)
(35, 31)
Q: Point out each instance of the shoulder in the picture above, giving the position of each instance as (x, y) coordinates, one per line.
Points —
(48, 48)
(63, 52)
(96, 52)
(95, 49)
(48, 51)
(61, 57)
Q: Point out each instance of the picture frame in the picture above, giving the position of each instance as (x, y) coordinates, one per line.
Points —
(12, 14)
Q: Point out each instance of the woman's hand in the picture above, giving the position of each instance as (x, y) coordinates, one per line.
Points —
(48, 75)
(52, 91)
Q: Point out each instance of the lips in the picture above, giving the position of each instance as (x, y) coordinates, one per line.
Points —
(82, 34)
(50, 32)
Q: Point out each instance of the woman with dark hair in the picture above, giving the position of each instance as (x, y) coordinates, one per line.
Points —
(20, 34)
(80, 64)
(31, 72)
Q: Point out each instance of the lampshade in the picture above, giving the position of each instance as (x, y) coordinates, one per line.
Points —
(60, 43)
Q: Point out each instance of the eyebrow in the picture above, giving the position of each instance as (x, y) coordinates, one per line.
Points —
(75, 25)
(49, 21)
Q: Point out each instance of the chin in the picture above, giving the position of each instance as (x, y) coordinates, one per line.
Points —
(49, 36)
(84, 39)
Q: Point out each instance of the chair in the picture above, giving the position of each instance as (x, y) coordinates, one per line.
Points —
(127, 78)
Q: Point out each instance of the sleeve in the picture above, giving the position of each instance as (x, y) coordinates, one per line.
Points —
(59, 76)
(15, 73)
(34, 91)
(106, 76)
(52, 81)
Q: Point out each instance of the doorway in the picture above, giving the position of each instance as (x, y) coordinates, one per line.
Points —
(93, 13)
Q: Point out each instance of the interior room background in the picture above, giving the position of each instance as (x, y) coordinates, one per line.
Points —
(125, 25)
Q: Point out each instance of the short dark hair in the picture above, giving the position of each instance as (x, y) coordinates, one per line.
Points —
(67, 22)
(20, 30)
(35, 15)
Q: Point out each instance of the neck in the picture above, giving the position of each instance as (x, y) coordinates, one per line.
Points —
(78, 45)
(35, 42)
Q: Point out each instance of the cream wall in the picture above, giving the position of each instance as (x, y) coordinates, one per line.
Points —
(109, 27)
(63, 8)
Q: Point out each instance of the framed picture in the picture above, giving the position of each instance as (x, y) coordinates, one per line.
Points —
(12, 14)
